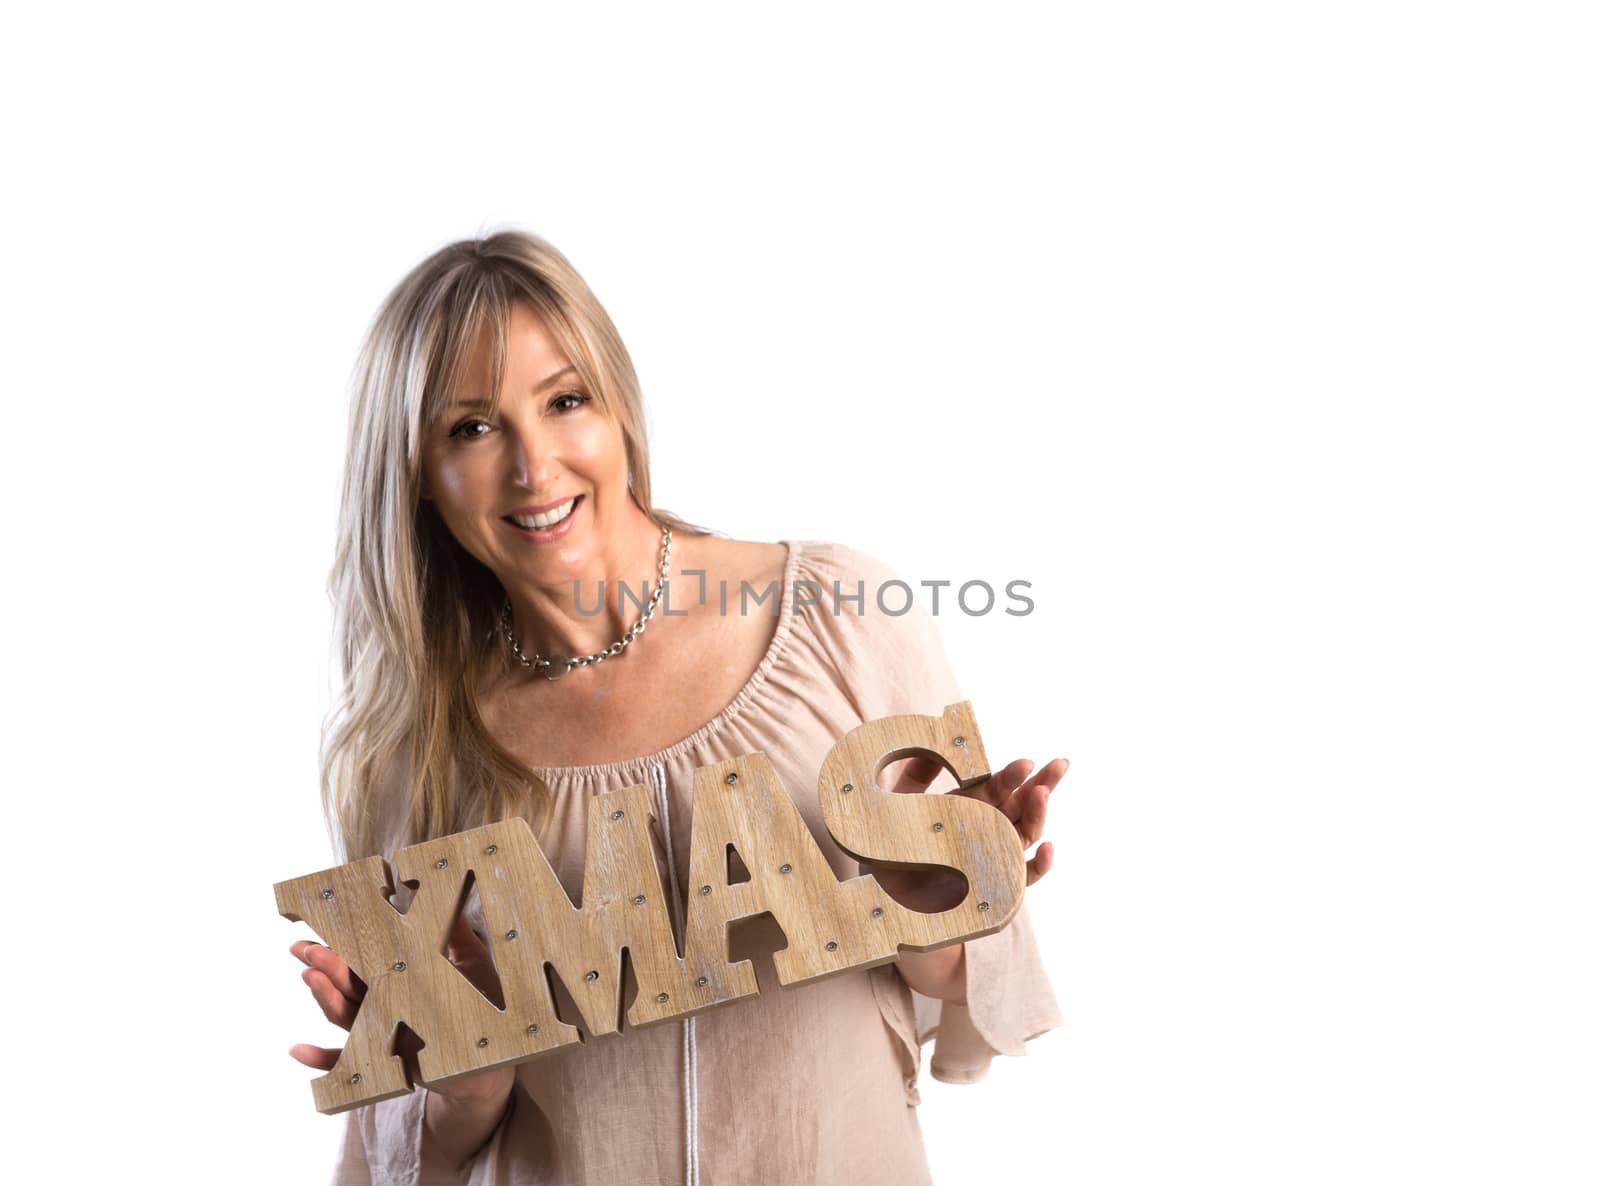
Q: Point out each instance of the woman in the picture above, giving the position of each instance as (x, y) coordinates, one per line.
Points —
(497, 492)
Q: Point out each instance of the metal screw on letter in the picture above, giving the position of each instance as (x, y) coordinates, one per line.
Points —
(831, 945)
(327, 894)
(662, 997)
(938, 827)
(616, 815)
(512, 934)
(440, 863)
(733, 777)
(491, 850)
(705, 889)
(983, 905)
(847, 788)
(356, 1078)
(961, 741)
(533, 1029)
(400, 965)
(701, 982)
(591, 976)
(784, 868)
(638, 899)
(877, 912)
(482, 1042)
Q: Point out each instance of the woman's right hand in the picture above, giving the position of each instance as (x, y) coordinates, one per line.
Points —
(338, 993)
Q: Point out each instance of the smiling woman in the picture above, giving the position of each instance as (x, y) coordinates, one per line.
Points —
(546, 442)
(450, 432)
(497, 485)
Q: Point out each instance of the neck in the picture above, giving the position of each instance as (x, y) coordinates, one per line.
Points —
(587, 613)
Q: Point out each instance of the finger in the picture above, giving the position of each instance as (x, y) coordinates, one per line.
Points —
(1049, 775)
(1041, 862)
(330, 964)
(335, 1006)
(464, 944)
(998, 787)
(1033, 803)
(467, 950)
(314, 1056)
(916, 776)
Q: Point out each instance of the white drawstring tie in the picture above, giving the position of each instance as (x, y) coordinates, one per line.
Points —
(691, 1093)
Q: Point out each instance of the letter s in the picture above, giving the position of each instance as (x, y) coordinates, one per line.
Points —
(972, 837)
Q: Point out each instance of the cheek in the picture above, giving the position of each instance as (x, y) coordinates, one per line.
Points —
(457, 487)
(598, 447)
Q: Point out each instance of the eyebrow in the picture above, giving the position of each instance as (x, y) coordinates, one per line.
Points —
(547, 381)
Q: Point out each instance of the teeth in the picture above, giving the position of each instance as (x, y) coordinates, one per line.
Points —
(545, 518)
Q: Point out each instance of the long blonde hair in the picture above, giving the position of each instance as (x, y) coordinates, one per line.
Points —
(414, 613)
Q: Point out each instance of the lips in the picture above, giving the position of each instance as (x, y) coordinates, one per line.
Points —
(544, 518)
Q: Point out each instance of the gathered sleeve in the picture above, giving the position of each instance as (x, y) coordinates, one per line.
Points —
(382, 1146)
(889, 663)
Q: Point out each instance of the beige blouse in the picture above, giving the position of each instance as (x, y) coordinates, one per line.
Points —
(813, 1085)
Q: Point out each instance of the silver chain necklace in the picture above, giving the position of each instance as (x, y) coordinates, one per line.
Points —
(547, 665)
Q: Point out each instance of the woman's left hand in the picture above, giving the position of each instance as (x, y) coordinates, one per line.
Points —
(1024, 800)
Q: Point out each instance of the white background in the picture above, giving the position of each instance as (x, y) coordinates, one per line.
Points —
(1259, 337)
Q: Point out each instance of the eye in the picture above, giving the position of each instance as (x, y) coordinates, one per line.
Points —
(469, 430)
(578, 399)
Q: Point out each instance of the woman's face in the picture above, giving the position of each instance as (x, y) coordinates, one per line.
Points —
(502, 482)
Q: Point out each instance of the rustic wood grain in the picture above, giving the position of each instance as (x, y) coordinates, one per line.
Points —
(534, 928)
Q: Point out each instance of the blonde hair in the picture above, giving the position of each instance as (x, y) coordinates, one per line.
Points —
(414, 613)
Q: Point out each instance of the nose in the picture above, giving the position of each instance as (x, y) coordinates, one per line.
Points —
(533, 458)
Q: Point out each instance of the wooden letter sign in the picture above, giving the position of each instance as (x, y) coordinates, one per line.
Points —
(831, 926)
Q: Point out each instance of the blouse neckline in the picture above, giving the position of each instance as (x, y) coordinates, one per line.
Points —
(775, 649)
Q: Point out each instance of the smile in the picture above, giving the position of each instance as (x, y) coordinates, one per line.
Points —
(545, 520)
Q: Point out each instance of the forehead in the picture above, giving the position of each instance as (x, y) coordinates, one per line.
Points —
(531, 351)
